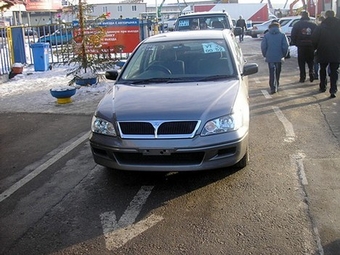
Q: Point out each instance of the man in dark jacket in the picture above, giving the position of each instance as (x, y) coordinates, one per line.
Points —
(326, 40)
(243, 25)
(301, 36)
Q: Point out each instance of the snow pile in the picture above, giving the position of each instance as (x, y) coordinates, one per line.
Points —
(30, 92)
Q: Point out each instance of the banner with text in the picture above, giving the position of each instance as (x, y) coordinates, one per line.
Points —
(121, 35)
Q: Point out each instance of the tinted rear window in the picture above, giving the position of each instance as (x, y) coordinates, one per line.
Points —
(202, 22)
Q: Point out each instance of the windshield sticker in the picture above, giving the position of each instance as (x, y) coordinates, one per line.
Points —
(212, 47)
(150, 47)
(183, 23)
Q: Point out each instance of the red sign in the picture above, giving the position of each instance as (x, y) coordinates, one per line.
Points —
(121, 36)
(128, 37)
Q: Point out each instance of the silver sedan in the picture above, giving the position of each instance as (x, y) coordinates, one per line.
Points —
(180, 103)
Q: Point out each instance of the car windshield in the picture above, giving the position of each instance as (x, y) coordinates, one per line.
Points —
(284, 22)
(267, 23)
(193, 60)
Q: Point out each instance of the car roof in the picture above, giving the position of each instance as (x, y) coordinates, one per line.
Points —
(203, 14)
(293, 17)
(188, 35)
(265, 23)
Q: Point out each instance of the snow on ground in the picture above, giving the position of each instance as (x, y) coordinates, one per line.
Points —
(30, 92)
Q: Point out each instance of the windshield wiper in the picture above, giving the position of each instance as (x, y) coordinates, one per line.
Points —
(180, 79)
(216, 77)
(150, 80)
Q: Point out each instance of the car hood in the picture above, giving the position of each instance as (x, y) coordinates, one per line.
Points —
(169, 101)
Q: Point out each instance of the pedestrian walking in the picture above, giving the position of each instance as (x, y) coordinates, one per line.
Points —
(316, 63)
(274, 47)
(326, 40)
(301, 36)
(243, 25)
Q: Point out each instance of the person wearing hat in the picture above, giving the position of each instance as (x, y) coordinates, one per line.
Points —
(301, 36)
(274, 47)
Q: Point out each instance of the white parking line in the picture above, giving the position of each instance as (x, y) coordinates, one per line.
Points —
(117, 233)
(257, 80)
(290, 135)
(266, 94)
(42, 168)
(119, 237)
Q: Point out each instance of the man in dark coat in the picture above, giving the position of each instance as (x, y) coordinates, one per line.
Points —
(326, 40)
(301, 36)
(243, 25)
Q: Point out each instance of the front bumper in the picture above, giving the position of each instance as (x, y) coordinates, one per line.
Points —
(169, 155)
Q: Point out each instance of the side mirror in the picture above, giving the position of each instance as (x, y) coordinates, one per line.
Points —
(111, 74)
(250, 68)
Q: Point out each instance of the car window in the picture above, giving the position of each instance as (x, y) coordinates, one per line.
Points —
(203, 22)
(187, 60)
(284, 22)
(294, 22)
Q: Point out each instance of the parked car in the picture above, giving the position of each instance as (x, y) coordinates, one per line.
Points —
(62, 36)
(206, 20)
(30, 32)
(287, 24)
(170, 24)
(119, 64)
(48, 29)
(180, 103)
(259, 29)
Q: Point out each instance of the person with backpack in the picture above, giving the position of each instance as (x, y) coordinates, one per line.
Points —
(274, 48)
(301, 37)
(326, 40)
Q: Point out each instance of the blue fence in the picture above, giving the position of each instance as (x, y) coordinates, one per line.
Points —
(16, 44)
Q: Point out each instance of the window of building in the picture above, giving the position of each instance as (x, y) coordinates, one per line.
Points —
(120, 8)
(105, 9)
(134, 8)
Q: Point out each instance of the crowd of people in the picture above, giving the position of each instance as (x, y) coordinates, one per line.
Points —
(318, 48)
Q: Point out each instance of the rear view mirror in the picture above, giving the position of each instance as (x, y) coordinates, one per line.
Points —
(250, 68)
(111, 74)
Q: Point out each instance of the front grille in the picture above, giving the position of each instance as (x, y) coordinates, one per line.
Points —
(185, 127)
(158, 129)
(136, 128)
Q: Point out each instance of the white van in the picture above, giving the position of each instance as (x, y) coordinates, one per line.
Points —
(206, 20)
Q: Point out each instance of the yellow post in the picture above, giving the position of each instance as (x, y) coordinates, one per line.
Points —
(10, 45)
(155, 28)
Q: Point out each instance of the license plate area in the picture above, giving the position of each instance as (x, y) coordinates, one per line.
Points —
(156, 152)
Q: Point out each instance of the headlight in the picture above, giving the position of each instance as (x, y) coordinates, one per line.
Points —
(223, 124)
(101, 126)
